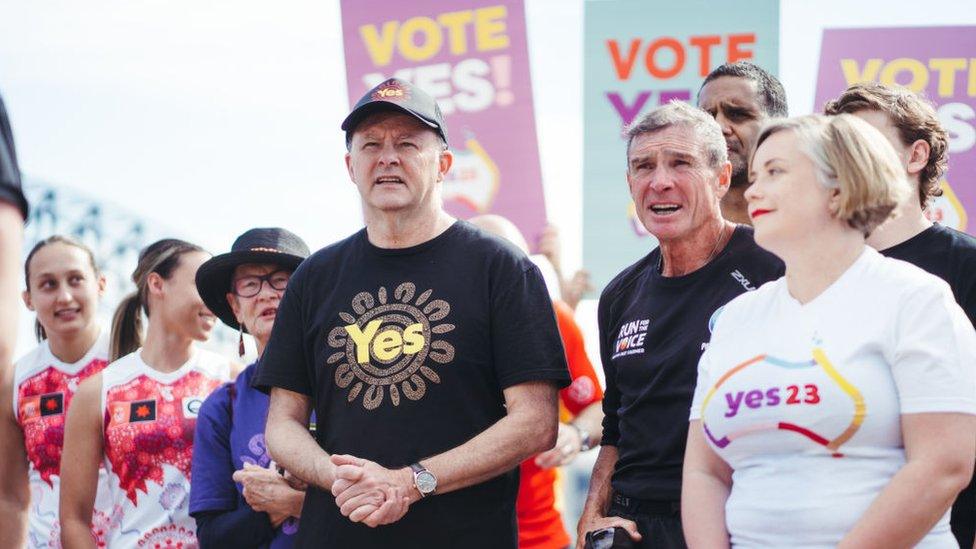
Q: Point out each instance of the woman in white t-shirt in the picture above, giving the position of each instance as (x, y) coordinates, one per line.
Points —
(835, 406)
(137, 417)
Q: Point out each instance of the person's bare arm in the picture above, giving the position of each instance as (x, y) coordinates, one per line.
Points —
(11, 242)
(83, 451)
(568, 442)
(290, 443)
(940, 449)
(528, 427)
(594, 515)
(590, 419)
(14, 486)
(705, 486)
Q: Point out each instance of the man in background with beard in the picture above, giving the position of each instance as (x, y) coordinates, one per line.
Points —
(741, 97)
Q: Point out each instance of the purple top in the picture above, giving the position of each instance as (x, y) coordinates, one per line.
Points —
(228, 435)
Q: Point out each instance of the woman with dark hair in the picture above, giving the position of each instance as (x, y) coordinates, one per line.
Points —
(238, 498)
(138, 415)
(64, 287)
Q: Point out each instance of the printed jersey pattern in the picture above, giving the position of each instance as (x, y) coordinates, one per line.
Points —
(43, 389)
(149, 420)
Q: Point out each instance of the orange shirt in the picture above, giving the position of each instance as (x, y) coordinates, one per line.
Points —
(539, 522)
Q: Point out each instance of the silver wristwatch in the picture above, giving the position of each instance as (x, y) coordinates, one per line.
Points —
(585, 442)
(424, 480)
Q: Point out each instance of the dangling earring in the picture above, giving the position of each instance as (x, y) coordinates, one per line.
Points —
(240, 339)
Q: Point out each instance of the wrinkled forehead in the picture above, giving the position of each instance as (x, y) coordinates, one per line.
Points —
(674, 140)
(391, 123)
(731, 90)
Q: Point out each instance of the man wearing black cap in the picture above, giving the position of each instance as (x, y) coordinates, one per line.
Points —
(428, 349)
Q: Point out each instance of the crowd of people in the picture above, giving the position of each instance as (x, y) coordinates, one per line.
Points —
(793, 365)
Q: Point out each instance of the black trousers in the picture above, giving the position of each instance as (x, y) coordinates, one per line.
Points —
(659, 522)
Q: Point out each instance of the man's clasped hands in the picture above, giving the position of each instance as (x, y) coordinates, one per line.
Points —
(369, 493)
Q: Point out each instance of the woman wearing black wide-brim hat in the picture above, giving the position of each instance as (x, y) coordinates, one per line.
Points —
(237, 497)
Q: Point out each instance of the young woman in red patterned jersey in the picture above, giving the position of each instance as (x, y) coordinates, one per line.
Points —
(64, 287)
(138, 416)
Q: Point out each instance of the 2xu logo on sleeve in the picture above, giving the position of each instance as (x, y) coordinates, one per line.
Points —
(789, 396)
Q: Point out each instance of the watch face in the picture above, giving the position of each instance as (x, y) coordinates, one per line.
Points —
(426, 482)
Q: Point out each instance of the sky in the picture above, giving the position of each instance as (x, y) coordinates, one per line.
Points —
(210, 118)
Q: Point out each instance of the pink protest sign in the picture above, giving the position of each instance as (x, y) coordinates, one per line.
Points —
(472, 57)
(939, 62)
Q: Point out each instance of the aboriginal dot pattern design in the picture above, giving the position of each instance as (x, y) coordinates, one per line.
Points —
(386, 350)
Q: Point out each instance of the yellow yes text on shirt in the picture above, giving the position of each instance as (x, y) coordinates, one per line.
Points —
(388, 344)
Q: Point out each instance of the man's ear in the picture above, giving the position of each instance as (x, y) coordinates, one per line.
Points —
(724, 179)
(349, 167)
(918, 157)
(445, 161)
(27, 300)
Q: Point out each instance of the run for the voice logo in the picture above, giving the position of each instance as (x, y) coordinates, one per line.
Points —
(630, 339)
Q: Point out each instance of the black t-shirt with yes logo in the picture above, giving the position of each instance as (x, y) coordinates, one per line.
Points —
(405, 353)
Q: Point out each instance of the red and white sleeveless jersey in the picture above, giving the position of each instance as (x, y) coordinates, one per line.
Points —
(43, 389)
(149, 419)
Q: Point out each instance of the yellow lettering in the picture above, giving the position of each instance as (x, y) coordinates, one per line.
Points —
(947, 68)
(387, 345)
(432, 38)
(854, 75)
(455, 23)
(413, 339)
(379, 46)
(490, 27)
(918, 71)
(362, 338)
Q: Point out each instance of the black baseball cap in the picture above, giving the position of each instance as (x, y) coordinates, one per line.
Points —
(397, 95)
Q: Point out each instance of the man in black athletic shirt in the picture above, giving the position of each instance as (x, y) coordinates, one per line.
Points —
(427, 348)
(913, 129)
(654, 320)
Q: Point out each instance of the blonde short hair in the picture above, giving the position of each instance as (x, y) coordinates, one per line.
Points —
(850, 155)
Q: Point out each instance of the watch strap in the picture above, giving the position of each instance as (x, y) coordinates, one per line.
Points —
(418, 470)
